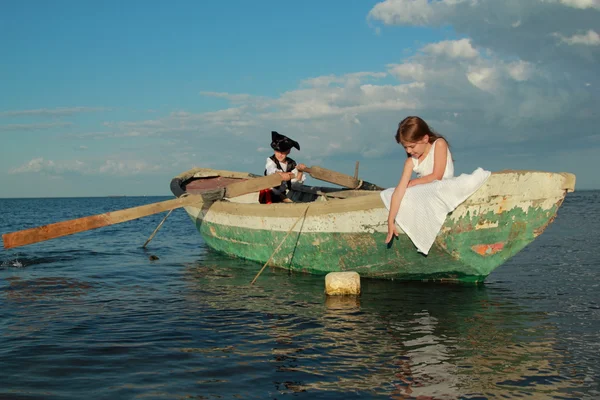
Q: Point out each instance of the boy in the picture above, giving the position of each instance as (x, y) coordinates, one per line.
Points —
(280, 163)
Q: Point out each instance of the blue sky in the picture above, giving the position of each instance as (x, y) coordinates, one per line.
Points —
(107, 98)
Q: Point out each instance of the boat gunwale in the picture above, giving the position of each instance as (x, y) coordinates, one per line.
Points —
(368, 200)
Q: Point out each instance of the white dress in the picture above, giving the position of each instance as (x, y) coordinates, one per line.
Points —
(425, 167)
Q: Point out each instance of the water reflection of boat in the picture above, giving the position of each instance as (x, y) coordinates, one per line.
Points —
(345, 230)
(396, 340)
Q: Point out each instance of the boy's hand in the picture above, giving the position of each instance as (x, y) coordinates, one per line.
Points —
(286, 176)
(301, 167)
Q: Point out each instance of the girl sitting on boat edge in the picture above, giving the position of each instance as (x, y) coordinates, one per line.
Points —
(428, 155)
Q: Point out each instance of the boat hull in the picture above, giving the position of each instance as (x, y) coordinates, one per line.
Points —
(494, 224)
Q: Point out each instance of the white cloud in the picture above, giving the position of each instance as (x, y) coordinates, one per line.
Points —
(39, 165)
(319, 105)
(353, 79)
(525, 29)
(484, 78)
(35, 165)
(409, 70)
(452, 48)
(116, 167)
(417, 12)
(51, 112)
(127, 167)
(591, 38)
(582, 4)
(520, 70)
(33, 127)
(409, 12)
(508, 73)
(231, 97)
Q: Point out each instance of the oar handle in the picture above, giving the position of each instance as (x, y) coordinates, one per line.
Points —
(338, 178)
(330, 176)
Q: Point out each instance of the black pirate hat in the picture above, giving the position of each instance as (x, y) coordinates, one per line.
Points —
(282, 142)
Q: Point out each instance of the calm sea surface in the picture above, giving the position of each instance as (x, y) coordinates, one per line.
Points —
(91, 316)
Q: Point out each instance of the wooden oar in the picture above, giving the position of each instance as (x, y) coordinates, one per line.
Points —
(338, 178)
(64, 228)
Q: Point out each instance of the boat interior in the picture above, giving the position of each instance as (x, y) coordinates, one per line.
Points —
(199, 180)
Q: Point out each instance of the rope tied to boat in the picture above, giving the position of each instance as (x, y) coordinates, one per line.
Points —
(301, 217)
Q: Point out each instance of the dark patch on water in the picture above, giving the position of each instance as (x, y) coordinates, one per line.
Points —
(44, 288)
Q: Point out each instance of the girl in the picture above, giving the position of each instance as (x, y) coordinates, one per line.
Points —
(427, 154)
(280, 163)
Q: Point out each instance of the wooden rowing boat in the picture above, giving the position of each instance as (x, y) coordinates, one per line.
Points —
(345, 230)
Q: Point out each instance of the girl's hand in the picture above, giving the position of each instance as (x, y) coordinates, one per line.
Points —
(392, 231)
(411, 183)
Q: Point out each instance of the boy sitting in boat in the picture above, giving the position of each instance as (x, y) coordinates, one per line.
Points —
(280, 163)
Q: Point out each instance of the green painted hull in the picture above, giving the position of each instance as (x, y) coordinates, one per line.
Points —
(476, 238)
(367, 254)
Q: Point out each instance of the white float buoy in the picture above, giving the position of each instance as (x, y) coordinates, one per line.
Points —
(342, 283)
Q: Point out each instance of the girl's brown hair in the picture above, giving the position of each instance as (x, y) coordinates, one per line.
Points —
(412, 129)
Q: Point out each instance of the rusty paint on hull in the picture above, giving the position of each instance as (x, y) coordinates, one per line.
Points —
(487, 249)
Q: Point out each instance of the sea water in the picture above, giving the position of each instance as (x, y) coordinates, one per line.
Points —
(93, 315)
